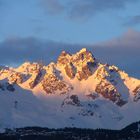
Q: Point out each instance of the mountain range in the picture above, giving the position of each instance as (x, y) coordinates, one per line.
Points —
(75, 91)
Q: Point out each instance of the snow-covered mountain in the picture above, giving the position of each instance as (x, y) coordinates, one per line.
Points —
(76, 91)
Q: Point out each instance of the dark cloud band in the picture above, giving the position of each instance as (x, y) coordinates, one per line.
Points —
(122, 51)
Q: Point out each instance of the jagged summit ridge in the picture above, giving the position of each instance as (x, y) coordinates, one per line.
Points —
(79, 64)
(60, 77)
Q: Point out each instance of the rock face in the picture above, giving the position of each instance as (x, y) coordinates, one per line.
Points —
(29, 68)
(6, 86)
(75, 100)
(70, 70)
(64, 58)
(72, 100)
(108, 91)
(16, 78)
(79, 65)
(51, 84)
(137, 93)
(36, 79)
(84, 73)
(10, 87)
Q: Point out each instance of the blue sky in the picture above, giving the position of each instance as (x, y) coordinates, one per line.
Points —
(70, 21)
(34, 30)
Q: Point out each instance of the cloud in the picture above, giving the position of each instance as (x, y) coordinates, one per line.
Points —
(90, 7)
(84, 8)
(17, 50)
(122, 51)
(129, 39)
(52, 6)
(135, 20)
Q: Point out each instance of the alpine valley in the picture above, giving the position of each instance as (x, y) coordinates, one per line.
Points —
(76, 91)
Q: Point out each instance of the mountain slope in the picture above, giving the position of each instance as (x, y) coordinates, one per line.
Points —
(76, 91)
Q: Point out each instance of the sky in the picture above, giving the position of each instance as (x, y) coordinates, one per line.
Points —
(38, 30)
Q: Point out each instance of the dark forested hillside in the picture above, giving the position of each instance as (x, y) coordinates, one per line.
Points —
(131, 132)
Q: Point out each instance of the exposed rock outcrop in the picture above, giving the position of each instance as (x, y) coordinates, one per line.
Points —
(64, 58)
(72, 100)
(137, 93)
(7, 86)
(79, 64)
(35, 80)
(84, 73)
(70, 70)
(16, 77)
(51, 84)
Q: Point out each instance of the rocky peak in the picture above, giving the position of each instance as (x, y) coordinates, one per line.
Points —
(63, 53)
(82, 57)
(83, 50)
(64, 58)
(29, 67)
(79, 64)
(102, 72)
(51, 68)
